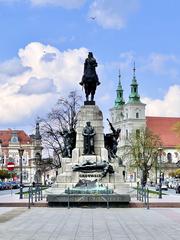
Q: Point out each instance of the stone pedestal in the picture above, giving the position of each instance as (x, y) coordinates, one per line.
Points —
(90, 113)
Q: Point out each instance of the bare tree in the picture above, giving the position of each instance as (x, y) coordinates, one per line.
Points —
(62, 116)
(142, 149)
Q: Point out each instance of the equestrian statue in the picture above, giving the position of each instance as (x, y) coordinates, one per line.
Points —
(90, 78)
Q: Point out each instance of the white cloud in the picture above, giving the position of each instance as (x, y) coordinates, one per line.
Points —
(162, 64)
(12, 67)
(15, 107)
(112, 14)
(169, 106)
(65, 68)
(37, 73)
(61, 3)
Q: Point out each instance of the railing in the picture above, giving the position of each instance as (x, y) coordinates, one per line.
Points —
(143, 195)
(34, 195)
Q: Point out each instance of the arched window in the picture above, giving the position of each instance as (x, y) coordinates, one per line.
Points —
(137, 115)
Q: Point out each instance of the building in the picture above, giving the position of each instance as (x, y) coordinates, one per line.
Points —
(130, 116)
(10, 142)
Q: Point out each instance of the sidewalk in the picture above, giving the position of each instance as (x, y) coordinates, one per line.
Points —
(14, 201)
(89, 224)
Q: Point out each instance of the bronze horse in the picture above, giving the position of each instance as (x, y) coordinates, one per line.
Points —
(90, 78)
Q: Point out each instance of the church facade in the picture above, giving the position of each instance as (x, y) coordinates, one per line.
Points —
(130, 116)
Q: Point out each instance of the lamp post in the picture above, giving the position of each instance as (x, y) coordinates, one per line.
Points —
(160, 183)
(21, 150)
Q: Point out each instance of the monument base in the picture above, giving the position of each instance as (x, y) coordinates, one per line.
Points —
(88, 199)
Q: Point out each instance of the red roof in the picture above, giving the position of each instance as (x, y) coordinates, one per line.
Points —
(163, 127)
(5, 137)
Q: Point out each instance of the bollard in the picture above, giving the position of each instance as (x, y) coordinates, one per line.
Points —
(137, 190)
(36, 194)
(39, 197)
(32, 193)
(41, 194)
(147, 198)
(144, 190)
(29, 200)
(68, 198)
(142, 199)
(107, 198)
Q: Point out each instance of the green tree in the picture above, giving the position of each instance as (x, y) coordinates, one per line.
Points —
(177, 173)
(142, 151)
(4, 174)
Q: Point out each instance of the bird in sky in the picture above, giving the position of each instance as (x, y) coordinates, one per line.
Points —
(93, 18)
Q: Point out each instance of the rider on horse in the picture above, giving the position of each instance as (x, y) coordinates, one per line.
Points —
(90, 78)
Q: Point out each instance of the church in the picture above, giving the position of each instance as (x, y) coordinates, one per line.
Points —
(130, 116)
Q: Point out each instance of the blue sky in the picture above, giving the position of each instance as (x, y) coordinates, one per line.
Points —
(43, 45)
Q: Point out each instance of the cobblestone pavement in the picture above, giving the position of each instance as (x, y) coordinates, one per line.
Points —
(89, 223)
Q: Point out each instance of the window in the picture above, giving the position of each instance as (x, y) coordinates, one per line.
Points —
(137, 115)
(25, 175)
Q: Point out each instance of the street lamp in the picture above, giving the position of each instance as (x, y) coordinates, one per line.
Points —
(160, 182)
(21, 150)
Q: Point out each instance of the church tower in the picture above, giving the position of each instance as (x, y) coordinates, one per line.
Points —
(116, 112)
(128, 116)
(37, 143)
(134, 112)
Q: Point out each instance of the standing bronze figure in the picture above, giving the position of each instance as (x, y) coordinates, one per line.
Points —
(111, 141)
(69, 140)
(88, 133)
(90, 79)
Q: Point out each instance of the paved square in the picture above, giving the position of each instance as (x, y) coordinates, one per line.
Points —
(89, 223)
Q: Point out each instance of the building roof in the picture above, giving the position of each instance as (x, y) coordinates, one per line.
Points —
(5, 137)
(163, 127)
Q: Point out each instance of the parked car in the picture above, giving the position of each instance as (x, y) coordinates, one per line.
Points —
(14, 184)
(3, 186)
(163, 187)
(7, 185)
(178, 188)
(173, 183)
